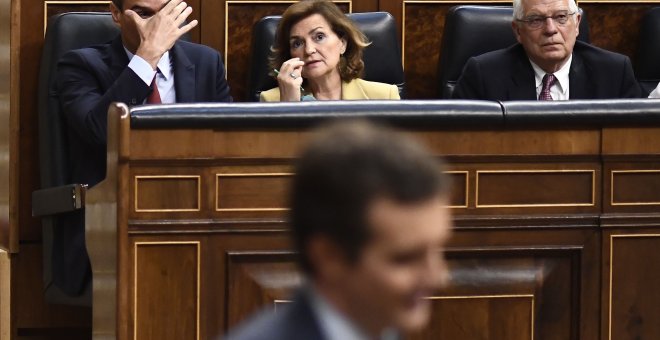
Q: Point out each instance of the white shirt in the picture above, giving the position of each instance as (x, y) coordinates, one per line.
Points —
(164, 75)
(560, 89)
(334, 325)
(655, 93)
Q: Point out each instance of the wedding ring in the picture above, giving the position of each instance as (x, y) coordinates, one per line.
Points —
(292, 75)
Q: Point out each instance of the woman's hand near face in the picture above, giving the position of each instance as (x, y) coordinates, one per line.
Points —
(290, 80)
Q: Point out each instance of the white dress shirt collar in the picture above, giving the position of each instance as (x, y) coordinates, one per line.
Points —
(560, 90)
(336, 326)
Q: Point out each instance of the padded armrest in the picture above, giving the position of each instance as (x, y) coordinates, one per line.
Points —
(57, 200)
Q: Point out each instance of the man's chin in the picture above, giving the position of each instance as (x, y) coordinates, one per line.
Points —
(415, 319)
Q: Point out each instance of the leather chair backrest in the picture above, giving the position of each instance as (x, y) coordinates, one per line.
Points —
(382, 59)
(471, 30)
(648, 51)
(65, 32)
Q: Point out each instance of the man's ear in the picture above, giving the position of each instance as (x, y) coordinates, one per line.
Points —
(327, 259)
(516, 29)
(116, 13)
(578, 17)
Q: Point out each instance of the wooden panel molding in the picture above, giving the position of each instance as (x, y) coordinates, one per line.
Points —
(492, 292)
(535, 188)
(167, 193)
(635, 187)
(460, 189)
(5, 296)
(161, 268)
(255, 192)
(8, 137)
(257, 279)
(505, 317)
(633, 297)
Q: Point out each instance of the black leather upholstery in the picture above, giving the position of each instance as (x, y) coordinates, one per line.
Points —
(471, 30)
(412, 113)
(647, 69)
(65, 32)
(444, 114)
(582, 112)
(382, 58)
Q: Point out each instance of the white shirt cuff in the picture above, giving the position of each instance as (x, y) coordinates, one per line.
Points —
(655, 93)
(142, 69)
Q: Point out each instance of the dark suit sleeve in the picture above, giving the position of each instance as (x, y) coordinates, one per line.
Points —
(469, 84)
(85, 89)
(629, 86)
(221, 86)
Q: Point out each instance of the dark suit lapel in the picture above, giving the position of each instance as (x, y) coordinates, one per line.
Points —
(579, 87)
(522, 77)
(304, 321)
(184, 75)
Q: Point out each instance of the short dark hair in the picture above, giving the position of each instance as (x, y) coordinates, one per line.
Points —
(119, 4)
(350, 65)
(343, 170)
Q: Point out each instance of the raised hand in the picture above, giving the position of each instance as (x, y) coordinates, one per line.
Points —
(290, 79)
(159, 32)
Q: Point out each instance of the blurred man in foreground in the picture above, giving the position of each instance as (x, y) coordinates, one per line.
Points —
(369, 219)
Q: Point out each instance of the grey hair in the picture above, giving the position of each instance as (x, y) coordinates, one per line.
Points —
(518, 9)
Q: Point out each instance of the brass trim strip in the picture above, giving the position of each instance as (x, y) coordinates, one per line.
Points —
(217, 190)
(199, 192)
(5, 295)
(593, 189)
(612, 203)
(609, 302)
(462, 297)
(135, 278)
(64, 2)
(238, 2)
(418, 2)
(467, 186)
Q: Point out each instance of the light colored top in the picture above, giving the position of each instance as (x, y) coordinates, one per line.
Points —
(656, 92)
(334, 325)
(355, 89)
(164, 75)
(558, 91)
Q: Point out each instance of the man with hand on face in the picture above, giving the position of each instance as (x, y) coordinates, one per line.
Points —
(146, 63)
(547, 63)
(370, 219)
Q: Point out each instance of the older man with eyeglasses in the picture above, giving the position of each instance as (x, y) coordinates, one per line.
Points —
(547, 63)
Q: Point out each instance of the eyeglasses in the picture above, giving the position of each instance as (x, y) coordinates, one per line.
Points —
(537, 21)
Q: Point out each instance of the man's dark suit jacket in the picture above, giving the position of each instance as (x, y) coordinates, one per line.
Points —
(295, 321)
(507, 74)
(88, 80)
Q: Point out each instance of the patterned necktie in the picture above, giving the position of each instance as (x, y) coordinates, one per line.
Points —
(548, 80)
(154, 96)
